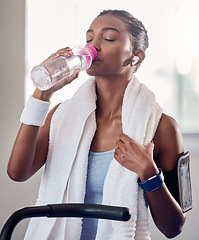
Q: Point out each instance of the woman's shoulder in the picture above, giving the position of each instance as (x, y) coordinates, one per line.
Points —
(168, 142)
(167, 123)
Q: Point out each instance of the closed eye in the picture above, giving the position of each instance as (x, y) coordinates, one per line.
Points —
(109, 40)
(106, 39)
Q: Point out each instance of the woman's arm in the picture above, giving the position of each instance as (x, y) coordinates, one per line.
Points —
(31, 145)
(170, 146)
(165, 210)
(29, 151)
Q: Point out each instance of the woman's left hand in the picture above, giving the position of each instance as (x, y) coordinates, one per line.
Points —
(136, 157)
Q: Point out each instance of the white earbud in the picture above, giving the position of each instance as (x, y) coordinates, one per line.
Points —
(135, 60)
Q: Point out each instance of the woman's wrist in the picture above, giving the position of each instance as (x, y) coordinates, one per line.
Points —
(152, 183)
(35, 112)
(148, 171)
(42, 95)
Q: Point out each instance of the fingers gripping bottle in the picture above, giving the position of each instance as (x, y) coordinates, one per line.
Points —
(47, 74)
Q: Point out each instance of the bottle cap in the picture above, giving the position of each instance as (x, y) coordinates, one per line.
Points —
(92, 51)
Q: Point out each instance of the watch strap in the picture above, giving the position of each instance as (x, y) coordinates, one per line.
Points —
(153, 182)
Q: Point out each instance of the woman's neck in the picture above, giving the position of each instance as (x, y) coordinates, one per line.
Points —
(110, 94)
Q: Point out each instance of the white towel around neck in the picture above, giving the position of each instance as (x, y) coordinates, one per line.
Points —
(72, 129)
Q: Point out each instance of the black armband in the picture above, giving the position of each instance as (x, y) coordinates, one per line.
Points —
(184, 180)
(178, 182)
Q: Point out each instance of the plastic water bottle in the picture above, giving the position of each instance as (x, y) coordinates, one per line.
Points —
(47, 74)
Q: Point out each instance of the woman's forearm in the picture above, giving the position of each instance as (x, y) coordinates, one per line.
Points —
(22, 162)
(166, 212)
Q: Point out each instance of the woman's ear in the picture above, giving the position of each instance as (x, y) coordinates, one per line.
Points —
(138, 57)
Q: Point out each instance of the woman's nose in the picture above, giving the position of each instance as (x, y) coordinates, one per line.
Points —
(95, 43)
(97, 48)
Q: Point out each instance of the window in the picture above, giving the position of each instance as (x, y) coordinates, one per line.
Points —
(171, 65)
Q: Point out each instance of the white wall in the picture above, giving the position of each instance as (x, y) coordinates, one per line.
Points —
(12, 24)
(17, 195)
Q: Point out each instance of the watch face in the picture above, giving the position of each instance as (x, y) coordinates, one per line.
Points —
(184, 180)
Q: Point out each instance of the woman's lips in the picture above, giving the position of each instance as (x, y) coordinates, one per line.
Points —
(97, 59)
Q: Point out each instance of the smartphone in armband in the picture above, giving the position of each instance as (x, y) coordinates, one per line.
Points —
(184, 181)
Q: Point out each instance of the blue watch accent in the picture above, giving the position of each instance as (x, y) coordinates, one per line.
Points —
(153, 182)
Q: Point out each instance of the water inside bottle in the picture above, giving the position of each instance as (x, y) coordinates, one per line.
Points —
(50, 72)
(57, 69)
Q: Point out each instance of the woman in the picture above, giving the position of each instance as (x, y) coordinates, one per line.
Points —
(111, 115)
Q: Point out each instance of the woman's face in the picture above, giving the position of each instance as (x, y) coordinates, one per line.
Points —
(109, 36)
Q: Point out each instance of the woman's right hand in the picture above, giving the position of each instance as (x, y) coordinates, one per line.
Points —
(47, 94)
